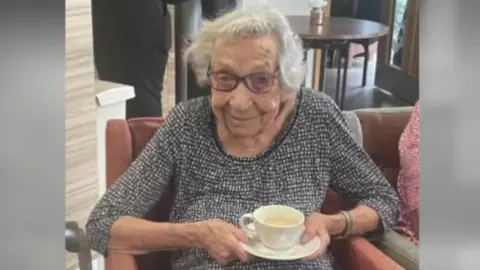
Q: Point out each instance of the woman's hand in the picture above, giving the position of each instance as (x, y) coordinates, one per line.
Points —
(222, 241)
(317, 225)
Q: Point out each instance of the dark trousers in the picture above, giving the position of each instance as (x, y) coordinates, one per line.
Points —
(131, 43)
(148, 83)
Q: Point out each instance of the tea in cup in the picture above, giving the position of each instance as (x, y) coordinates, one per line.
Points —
(278, 227)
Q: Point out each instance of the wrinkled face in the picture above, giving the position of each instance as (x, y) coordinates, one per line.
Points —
(244, 107)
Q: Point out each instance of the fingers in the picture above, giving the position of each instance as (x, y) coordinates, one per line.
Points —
(230, 252)
(223, 254)
(227, 246)
(239, 251)
(316, 255)
(309, 232)
(240, 235)
(324, 237)
(324, 243)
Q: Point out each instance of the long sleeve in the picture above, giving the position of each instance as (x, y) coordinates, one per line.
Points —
(140, 187)
(356, 176)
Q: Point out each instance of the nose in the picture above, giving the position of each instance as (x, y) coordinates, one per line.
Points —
(240, 98)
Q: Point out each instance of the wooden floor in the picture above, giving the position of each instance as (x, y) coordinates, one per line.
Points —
(356, 97)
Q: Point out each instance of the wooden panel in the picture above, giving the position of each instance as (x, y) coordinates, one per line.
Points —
(385, 43)
(80, 123)
(79, 82)
(403, 84)
(414, 68)
(317, 64)
(168, 93)
(410, 57)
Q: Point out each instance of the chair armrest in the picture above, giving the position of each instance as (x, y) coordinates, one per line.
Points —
(120, 261)
(359, 254)
(72, 238)
(77, 242)
(118, 149)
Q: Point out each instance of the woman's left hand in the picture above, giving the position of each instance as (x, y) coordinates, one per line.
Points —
(317, 225)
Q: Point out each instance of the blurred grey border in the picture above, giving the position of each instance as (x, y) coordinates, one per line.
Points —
(32, 128)
(32, 142)
(449, 140)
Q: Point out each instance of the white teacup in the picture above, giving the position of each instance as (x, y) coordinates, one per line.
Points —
(278, 227)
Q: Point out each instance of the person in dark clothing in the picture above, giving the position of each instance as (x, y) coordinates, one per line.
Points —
(132, 39)
(210, 10)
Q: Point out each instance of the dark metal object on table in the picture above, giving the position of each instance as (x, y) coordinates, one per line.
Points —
(77, 242)
(316, 16)
(317, 11)
(336, 34)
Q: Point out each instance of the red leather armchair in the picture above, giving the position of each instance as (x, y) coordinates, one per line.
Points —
(381, 130)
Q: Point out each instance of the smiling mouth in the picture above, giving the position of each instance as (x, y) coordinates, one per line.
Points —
(241, 119)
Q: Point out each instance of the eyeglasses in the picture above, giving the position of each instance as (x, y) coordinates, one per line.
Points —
(258, 83)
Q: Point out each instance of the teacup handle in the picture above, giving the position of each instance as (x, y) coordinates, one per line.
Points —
(244, 220)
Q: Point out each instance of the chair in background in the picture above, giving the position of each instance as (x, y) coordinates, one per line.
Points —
(125, 140)
(359, 9)
(367, 10)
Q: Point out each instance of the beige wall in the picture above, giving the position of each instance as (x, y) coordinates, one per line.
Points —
(168, 95)
(80, 122)
(81, 160)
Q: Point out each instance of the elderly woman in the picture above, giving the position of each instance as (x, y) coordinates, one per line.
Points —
(258, 140)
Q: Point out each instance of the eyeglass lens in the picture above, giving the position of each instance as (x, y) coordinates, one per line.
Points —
(258, 82)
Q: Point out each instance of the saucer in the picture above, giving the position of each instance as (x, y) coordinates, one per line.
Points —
(299, 251)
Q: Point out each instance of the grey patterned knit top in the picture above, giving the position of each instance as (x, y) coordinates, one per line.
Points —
(315, 151)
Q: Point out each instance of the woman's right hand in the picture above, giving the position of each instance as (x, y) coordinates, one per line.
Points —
(222, 241)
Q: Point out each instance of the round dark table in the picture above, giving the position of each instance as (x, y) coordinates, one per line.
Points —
(337, 33)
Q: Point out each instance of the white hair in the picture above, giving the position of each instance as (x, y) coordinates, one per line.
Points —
(254, 21)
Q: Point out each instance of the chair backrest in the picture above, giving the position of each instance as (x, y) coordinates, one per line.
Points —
(125, 140)
(381, 130)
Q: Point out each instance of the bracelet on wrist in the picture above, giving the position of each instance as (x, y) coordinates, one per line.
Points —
(348, 225)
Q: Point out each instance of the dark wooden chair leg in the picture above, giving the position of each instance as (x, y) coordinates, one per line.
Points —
(323, 66)
(338, 90)
(366, 47)
(346, 63)
(305, 56)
